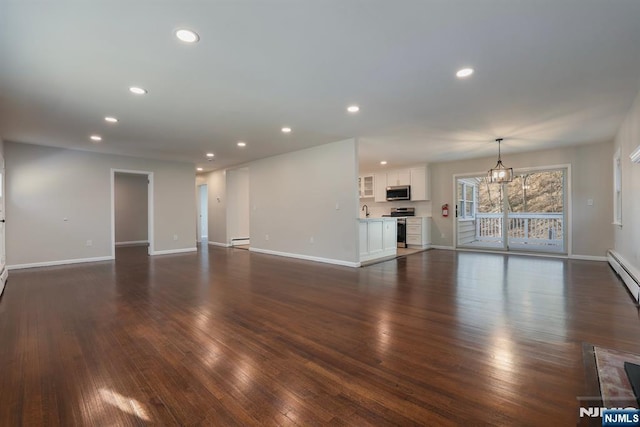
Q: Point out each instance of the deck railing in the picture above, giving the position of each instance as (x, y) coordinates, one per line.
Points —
(540, 229)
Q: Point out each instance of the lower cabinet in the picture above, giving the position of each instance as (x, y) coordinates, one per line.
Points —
(419, 232)
(378, 238)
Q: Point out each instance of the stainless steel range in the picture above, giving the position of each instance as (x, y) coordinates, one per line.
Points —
(402, 214)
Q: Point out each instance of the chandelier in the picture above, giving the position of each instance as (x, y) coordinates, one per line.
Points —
(500, 173)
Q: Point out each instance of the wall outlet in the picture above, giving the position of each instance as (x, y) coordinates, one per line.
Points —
(175, 237)
(89, 243)
(311, 240)
(337, 206)
(442, 236)
(266, 237)
(589, 202)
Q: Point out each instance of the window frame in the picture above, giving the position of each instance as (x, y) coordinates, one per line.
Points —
(463, 201)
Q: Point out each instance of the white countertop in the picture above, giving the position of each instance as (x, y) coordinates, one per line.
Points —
(392, 217)
(378, 218)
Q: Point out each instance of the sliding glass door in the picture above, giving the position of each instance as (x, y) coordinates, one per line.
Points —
(527, 214)
(536, 211)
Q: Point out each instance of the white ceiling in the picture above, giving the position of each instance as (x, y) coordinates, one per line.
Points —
(548, 73)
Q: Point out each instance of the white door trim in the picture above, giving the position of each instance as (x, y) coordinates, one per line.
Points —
(150, 214)
(4, 272)
(199, 236)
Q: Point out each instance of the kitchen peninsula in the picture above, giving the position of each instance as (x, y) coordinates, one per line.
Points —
(378, 239)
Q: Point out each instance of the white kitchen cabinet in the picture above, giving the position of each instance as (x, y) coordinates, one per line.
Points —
(417, 178)
(419, 232)
(420, 184)
(380, 187)
(366, 186)
(378, 238)
(399, 177)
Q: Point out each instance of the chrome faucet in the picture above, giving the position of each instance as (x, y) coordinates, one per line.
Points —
(365, 208)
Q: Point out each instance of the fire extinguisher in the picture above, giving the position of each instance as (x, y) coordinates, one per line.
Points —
(445, 210)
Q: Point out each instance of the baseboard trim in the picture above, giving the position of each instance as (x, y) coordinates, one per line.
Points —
(3, 279)
(133, 243)
(628, 274)
(306, 257)
(444, 248)
(589, 258)
(175, 251)
(388, 254)
(60, 262)
(427, 246)
(224, 245)
(367, 263)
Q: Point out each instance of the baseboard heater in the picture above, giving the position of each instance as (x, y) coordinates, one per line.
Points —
(630, 280)
(239, 241)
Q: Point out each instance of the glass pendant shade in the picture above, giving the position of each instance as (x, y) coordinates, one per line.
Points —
(500, 173)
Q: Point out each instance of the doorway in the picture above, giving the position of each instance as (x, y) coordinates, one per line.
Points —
(527, 214)
(3, 258)
(131, 209)
(203, 214)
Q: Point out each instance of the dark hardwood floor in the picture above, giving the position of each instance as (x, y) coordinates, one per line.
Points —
(230, 337)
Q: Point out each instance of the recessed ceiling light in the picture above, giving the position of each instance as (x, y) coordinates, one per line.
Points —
(465, 72)
(96, 138)
(384, 162)
(137, 90)
(210, 154)
(353, 108)
(242, 144)
(286, 130)
(111, 119)
(187, 36)
(199, 169)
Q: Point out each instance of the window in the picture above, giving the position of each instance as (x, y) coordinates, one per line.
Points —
(617, 189)
(467, 195)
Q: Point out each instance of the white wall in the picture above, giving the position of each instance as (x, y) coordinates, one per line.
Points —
(238, 203)
(293, 198)
(591, 175)
(627, 237)
(131, 205)
(46, 185)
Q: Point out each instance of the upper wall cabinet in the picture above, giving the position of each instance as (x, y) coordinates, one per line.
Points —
(380, 187)
(365, 186)
(399, 177)
(420, 184)
(417, 178)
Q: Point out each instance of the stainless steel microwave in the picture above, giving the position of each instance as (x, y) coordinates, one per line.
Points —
(400, 192)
